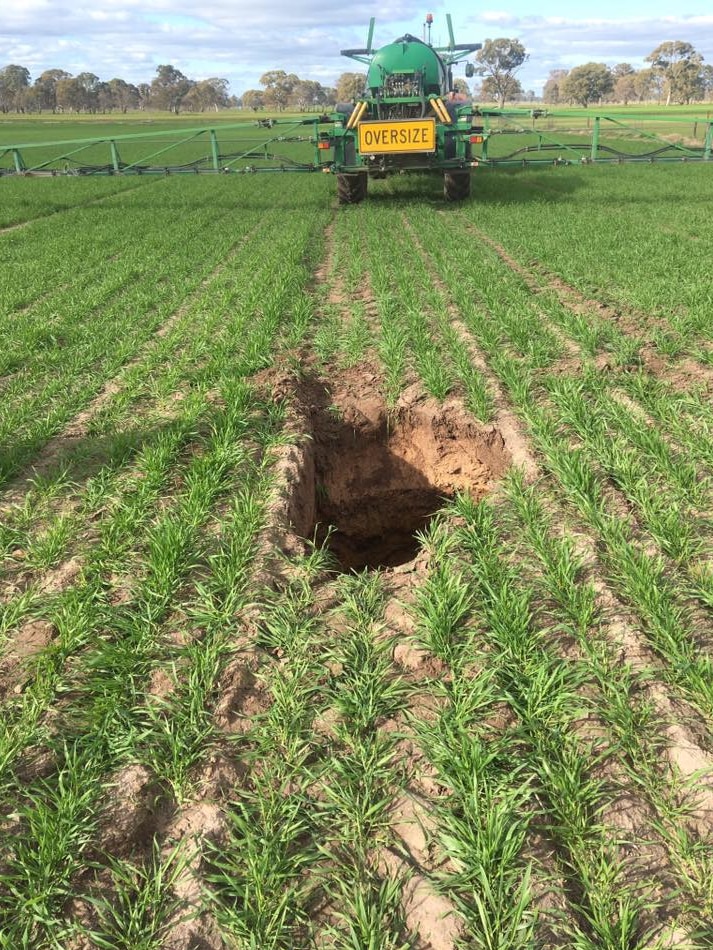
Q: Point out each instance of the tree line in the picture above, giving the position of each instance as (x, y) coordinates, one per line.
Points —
(56, 90)
(282, 90)
(677, 73)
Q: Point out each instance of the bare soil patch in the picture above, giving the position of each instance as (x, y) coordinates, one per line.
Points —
(683, 375)
(135, 809)
(30, 639)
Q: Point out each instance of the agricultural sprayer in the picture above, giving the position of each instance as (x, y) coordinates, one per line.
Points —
(407, 118)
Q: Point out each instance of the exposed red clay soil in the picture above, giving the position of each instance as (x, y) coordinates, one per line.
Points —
(368, 480)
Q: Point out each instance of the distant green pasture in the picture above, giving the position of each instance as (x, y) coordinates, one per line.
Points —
(168, 140)
(161, 140)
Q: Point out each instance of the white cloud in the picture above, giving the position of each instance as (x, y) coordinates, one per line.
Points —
(498, 17)
(130, 38)
(564, 42)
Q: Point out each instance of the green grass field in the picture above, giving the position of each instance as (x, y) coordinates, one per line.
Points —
(356, 564)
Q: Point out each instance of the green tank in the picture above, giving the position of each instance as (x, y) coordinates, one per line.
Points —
(407, 64)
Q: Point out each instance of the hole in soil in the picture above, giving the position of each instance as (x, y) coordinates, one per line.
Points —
(378, 479)
(379, 528)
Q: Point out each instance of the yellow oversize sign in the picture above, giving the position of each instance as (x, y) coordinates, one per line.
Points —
(411, 135)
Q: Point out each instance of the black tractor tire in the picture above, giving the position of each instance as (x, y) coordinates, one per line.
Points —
(351, 189)
(456, 185)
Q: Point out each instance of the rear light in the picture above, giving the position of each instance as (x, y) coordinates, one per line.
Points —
(476, 139)
(323, 145)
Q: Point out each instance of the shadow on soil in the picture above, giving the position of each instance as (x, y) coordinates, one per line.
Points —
(488, 186)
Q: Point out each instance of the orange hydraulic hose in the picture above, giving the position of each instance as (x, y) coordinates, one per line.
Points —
(357, 113)
(441, 110)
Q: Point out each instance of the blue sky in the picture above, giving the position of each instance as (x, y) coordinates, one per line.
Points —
(240, 41)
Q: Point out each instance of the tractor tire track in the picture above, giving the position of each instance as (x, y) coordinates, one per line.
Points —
(429, 916)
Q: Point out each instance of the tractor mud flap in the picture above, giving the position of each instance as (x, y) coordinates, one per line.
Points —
(351, 189)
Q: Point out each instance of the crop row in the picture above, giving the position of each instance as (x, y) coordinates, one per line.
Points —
(26, 201)
(561, 630)
(160, 502)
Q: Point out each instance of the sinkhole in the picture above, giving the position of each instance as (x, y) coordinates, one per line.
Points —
(374, 521)
(377, 478)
